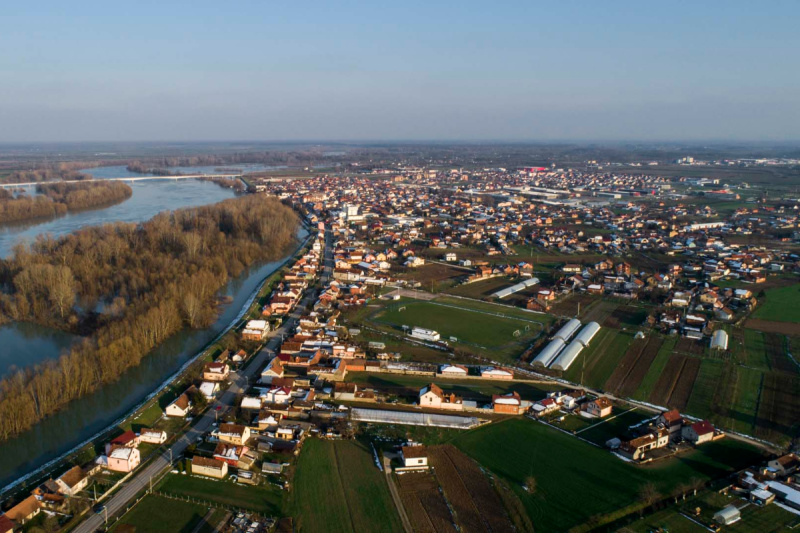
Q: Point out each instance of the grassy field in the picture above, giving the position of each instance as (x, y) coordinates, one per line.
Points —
(338, 488)
(780, 304)
(656, 368)
(472, 326)
(566, 468)
(601, 358)
(156, 514)
(264, 499)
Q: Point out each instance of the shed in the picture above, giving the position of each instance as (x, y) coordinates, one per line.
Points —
(727, 516)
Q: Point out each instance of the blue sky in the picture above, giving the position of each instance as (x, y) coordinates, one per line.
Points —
(466, 70)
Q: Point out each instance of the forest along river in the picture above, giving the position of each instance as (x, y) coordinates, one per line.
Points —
(26, 344)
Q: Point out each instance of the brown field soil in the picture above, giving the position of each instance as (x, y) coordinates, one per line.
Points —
(674, 386)
(683, 387)
(476, 504)
(424, 503)
(600, 312)
(769, 326)
(624, 316)
(436, 273)
(632, 354)
(686, 345)
(634, 371)
(775, 346)
(569, 306)
(779, 407)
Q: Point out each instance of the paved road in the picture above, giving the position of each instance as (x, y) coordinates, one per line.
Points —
(239, 384)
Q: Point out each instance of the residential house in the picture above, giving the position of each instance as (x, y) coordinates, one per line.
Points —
(434, 397)
(204, 466)
(673, 422)
(153, 436)
(255, 330)
(129, 439)
(24, 510)
(6, 525)
(233, 434)
(124, 459)
(72, 481)
(599, 407)
(180, 407)
(453, 371)
(785, 465)
(509, 404)
(229, 453)
(414, 456)
(492, 372)
(699, 432)
(216, 371)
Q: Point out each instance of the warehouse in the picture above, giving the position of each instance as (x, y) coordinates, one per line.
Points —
(719, 340)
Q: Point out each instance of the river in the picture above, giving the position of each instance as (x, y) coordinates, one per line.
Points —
(27, 344)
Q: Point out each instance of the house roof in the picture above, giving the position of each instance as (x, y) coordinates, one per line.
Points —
(414, 451)
(73, 476)
(124, 439)
(182, 402)
(23, 509)
(672, 416)
(207, 462)
(703, 428)
(231, 429)
(6, 525)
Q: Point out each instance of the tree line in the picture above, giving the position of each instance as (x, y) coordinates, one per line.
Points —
(59, 198)
(153, 278)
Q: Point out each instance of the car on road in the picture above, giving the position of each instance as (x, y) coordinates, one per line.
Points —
(98, 509)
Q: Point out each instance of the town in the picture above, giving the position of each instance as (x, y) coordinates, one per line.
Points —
(433, 318)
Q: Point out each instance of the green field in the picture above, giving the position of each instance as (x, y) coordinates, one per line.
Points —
(263, 499)
(601, 358)
(468, 325)
(656, 368)
(701, 402)
(568, 470)
(780, 304)
(156, 514)
(338, 488)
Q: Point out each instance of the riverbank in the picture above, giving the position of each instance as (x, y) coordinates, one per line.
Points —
(80, 451)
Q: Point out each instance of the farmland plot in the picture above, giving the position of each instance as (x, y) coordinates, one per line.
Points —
(633, 367)
(674, 386)
(477, 506)
(775, 348)
(423, 501)
(779, 407)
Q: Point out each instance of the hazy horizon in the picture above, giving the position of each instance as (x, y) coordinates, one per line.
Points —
(416, 72)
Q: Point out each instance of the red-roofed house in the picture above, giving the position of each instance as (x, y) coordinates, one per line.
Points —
(699, 432)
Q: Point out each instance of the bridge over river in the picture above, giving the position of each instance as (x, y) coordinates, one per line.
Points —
(129, 178)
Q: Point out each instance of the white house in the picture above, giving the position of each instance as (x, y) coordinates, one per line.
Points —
(414, 456)
(453, 371)
(251, 402)
(425, 334)
(279, 395)
(180, 407)
(492, 372)
(153, 436)
(699, 432)
(209, 389)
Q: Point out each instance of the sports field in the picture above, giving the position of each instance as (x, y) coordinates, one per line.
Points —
(338, 488)
(567, 469)
(488, 330)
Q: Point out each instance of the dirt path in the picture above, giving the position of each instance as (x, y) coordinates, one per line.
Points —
(401, 510)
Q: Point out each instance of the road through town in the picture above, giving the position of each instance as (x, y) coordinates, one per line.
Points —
(240, 382)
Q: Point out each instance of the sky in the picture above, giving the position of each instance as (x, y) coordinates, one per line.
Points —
(375, 70)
